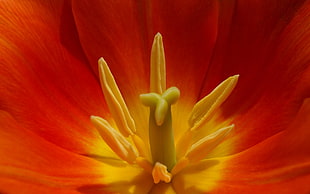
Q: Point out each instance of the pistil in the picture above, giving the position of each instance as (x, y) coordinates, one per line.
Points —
(160, 126)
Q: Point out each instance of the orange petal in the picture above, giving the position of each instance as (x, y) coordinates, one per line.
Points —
(15, 186)
(124, 39)
(112, 30)
(117, 38)
(31, 164)
(272, 60)
(189, 30)
(280, 164)
(250, 38)
(45, 80)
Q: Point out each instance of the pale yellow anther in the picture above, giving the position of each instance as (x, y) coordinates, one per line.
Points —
(203, 147)
(116, 141)
(158, 66)
(204, 109)
(160, 173)
(140, 145)
(115, 101)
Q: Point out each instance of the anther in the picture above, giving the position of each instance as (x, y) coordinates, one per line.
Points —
(204, 109)
(201, 148)
(116, 141)
(160, 173)
(115, 101)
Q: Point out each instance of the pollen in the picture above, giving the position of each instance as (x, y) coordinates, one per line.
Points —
(167, 157)
(160, 173)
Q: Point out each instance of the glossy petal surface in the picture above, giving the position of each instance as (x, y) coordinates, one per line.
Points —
(34, 165)
(270, 51)
(45, 82)
(281, 163)
(49, 86)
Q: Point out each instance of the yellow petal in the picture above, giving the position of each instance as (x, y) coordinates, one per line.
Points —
(125, 179)
(184, 143)
(162, 188)
(145, 164)
(182, 163)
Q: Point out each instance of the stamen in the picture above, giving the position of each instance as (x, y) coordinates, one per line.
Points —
(115, 101)
(140, 145)
(160, 173)
(200, 149)
(204, 109)
(158, 66)
(115, 140)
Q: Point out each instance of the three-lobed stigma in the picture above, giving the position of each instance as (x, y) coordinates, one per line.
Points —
(125, 142)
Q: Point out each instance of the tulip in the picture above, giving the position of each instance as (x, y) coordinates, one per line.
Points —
(94, 100)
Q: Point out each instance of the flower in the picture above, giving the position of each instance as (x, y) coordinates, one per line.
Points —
(50, 87)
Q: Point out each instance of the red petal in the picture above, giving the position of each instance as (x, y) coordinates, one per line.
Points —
(16, 186)
(250, 35)
(122, 32)
(31, 164)
(111, 30)
(280, 164)
(45, 82)
(267, 43)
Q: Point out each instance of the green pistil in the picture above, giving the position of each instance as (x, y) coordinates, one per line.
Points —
(160, 126)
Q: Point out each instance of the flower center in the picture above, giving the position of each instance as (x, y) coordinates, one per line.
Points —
(160, 125)
(164, 151)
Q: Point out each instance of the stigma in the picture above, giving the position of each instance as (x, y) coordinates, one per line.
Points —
(167, 156)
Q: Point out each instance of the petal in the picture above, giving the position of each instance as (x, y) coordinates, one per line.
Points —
(201, 177)
(272, 57)
(249, 39)
(162, 188)
(45, 81)
(111, 30)
(121, 178)
(280, 164)
(189, 32)
(31, 164)
(15, 186)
